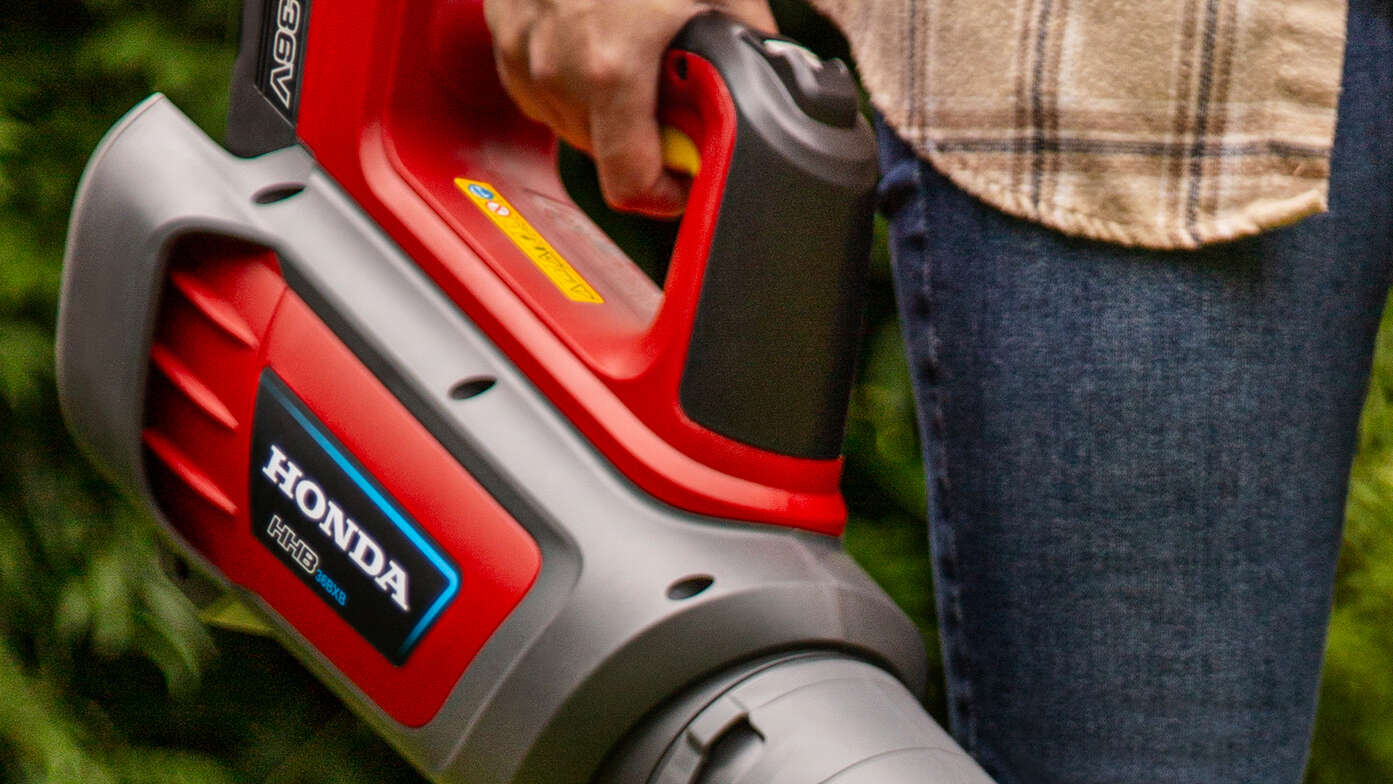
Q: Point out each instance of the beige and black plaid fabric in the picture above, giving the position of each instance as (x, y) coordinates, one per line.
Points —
(1161, 123)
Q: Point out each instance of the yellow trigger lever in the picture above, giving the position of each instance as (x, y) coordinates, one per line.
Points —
(680, 152)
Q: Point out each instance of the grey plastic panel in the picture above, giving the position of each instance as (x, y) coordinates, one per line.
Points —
(597, 644)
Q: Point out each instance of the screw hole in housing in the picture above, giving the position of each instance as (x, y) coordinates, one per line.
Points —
(688, 587)
(472, 387)
(280, 192)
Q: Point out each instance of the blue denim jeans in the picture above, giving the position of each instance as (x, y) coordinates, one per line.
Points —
(1137, 464)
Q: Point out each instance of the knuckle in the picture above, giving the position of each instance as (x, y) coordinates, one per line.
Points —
(510, 31)
(546, 72)
(541, 62)
(606, 69)
(510, 42)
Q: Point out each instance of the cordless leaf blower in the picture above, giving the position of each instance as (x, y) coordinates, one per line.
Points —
(534, 518)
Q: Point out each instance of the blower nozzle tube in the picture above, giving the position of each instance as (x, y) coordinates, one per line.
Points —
(797, 719)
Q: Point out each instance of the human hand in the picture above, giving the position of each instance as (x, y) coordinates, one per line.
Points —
(589, 69)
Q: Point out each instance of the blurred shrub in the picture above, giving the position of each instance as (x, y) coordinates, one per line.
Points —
(106, 673)
(1354, 731)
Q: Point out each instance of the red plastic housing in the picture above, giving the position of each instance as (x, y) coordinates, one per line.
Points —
(226, 314)
(399, 100)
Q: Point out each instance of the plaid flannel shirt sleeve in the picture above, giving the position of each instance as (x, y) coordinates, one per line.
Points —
(1158, 123)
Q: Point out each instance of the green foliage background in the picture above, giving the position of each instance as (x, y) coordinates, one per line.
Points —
(106, 673)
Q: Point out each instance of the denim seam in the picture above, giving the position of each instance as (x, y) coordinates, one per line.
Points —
(954, 648)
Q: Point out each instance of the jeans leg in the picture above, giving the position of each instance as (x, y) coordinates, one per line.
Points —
(1137, 464)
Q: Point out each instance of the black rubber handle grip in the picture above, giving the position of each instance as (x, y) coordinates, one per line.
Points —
(773, 346)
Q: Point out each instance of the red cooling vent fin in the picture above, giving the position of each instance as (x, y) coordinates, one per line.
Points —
(187, 472)
(213, 308)
(218, 302)
(188, 383)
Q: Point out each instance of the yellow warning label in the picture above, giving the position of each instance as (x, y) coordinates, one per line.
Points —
(551, 263)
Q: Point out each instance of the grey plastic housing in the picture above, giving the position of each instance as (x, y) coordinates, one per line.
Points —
(604, 641)
(810, 717)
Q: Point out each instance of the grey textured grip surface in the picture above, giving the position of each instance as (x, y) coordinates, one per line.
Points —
(816, 719)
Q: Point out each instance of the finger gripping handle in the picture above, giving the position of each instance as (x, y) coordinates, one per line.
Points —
(772, 252)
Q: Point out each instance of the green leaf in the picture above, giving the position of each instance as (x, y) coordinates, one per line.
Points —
(26, 364)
